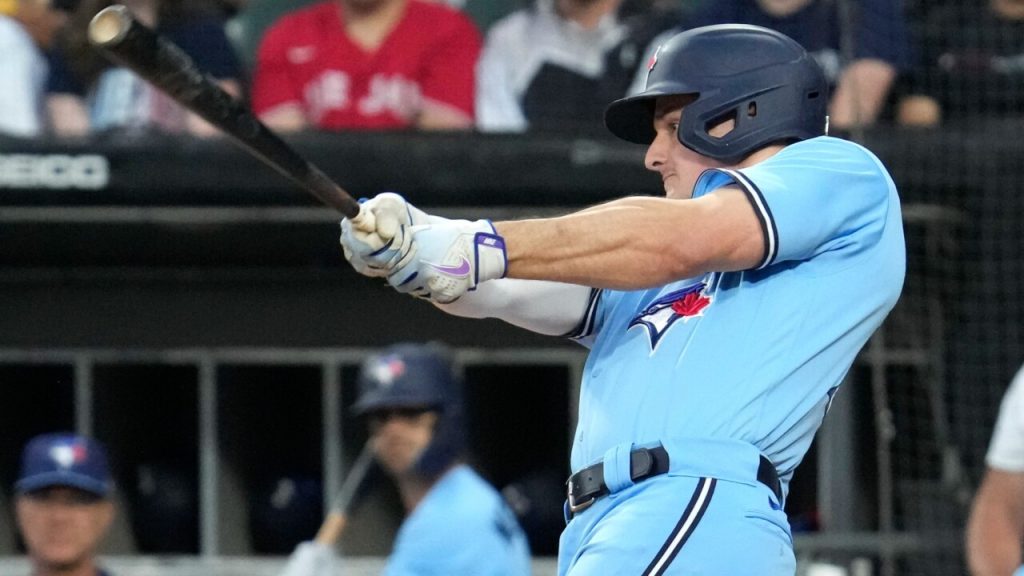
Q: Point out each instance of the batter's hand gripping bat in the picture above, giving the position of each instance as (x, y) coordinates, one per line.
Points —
(127, 42)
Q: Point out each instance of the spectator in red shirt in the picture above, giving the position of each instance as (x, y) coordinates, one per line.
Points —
(368, 64)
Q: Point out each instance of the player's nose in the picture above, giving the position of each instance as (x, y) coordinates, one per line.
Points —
(656, 153)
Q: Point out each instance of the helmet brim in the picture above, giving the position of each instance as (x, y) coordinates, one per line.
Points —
(632, 118)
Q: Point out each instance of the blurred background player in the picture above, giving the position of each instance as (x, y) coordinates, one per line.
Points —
(367, 64)
(63, 504)
(456, 523)
(26, 33)
(995, 528)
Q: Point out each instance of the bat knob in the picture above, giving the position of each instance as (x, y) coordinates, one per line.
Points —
(364, 221)
(110, 25)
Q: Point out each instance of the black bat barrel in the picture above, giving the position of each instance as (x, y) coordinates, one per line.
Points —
(125, 41)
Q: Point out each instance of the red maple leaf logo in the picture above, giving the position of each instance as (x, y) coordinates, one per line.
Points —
(691, 304)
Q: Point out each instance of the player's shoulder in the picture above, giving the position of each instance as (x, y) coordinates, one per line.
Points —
(464, 494)
(826, 153)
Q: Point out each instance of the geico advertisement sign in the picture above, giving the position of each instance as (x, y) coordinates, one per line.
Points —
(85, 171)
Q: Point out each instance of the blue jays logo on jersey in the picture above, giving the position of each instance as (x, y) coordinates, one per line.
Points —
(661, 314)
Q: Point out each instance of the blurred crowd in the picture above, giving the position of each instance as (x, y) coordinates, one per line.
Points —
(491, 65)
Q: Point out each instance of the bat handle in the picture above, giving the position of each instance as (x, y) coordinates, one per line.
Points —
(331, 528)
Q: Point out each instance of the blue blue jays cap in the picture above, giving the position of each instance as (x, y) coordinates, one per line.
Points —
(64, 459)
(408, 376)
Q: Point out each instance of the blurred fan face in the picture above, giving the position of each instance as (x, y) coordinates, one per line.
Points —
(400, 436)
(782, 8)
(62, 527)
(42, 19)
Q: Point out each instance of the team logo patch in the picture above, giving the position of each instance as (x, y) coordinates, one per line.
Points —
(387, 370)
(67, 455)
(653, 60)
(661, 314)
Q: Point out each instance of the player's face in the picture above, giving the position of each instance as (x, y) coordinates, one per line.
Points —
(400, 436)
(62, 527)
(678, 166)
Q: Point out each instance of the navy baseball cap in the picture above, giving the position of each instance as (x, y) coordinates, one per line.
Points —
(64, 459)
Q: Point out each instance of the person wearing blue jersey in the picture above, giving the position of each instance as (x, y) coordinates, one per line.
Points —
(720, 319)
(457, 524)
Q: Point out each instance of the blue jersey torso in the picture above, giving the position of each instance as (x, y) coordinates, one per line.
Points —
(753, 355)
(462, 527)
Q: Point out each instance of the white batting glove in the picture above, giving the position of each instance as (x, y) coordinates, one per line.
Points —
(374, 251)
(312, 559)
(448, 259)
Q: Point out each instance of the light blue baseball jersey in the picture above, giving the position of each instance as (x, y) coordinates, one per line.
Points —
(752, 356)
(462, 527)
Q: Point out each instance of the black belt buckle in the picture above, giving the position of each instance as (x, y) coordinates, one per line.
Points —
(575, 506)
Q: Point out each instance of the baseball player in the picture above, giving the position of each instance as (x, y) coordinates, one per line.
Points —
(995, 528)
(457, 523)
(720, 319)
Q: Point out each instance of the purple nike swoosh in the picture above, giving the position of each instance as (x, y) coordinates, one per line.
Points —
(461, 270)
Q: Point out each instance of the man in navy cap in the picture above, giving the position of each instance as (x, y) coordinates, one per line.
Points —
(63, 504)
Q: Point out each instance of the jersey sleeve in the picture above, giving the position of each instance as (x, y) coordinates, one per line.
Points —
(272, 83)
(586, 331)
(1006, 451)
(826, 198)
(449, 75)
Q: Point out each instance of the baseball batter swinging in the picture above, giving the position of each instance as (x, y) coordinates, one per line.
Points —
(720, 319)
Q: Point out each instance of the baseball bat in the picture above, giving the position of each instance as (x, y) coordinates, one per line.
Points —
(159, 61)
(337, 516)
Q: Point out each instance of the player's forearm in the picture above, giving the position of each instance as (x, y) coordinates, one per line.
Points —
(626, 244)
(995, 528)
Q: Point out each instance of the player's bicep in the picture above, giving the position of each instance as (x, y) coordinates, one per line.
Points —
(732, 235)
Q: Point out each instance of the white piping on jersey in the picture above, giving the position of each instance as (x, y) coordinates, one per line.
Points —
(587, 326)
(766, 216)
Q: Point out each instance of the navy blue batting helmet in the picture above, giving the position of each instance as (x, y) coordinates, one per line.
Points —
(762, 79)
(417, 376)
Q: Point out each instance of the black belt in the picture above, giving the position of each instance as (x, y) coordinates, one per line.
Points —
(588, 484)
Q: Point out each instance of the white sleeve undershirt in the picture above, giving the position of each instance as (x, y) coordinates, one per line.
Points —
(550, 308)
